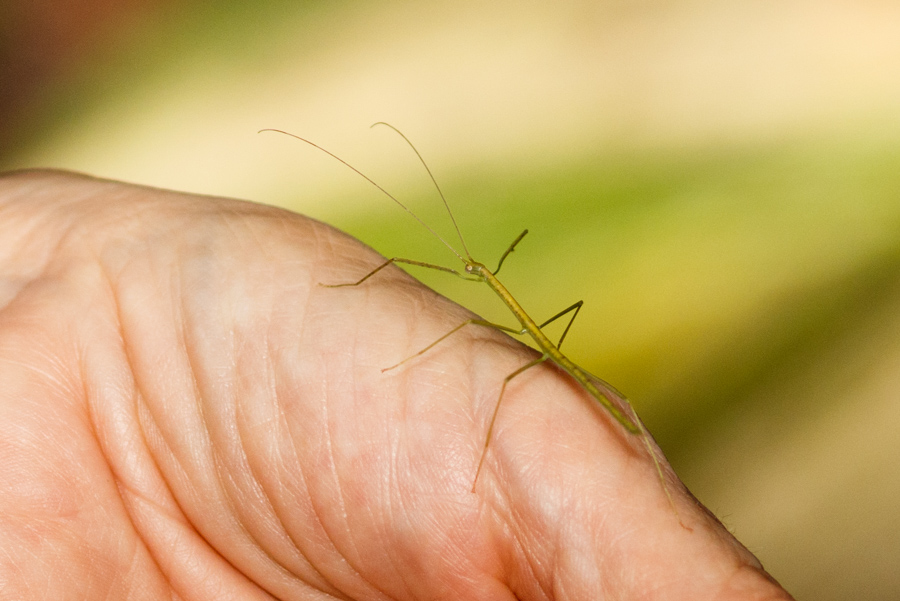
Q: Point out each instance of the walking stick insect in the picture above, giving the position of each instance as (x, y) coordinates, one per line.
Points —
(604, 393)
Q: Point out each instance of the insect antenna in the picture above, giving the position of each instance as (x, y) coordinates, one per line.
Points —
(385, 192)
(434, 181)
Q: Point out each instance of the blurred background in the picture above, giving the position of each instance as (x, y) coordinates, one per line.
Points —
(720, 182)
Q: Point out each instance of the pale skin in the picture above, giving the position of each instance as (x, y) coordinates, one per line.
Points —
(187, 414)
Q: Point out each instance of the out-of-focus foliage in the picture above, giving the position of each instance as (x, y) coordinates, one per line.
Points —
(719, 183)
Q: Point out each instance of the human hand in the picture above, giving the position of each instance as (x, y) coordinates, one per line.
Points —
(187, 414)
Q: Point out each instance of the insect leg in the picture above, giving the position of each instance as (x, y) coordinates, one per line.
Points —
(511, 248)
(490, 431)
(477, 322)
(395, 260)
(576, 307)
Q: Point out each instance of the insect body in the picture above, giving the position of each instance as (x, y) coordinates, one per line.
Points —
(604, 393)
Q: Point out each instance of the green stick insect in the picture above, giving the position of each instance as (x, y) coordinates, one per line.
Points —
(604, 393)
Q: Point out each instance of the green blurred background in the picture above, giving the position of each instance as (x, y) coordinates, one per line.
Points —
(720, 182)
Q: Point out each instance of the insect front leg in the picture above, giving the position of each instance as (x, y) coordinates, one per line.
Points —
(511, 248)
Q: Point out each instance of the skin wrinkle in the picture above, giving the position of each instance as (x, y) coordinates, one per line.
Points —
(377, 587)
(213, 452)
(258, 240)
(274, 512)
(148, 411)
(513, 552)
(39, 271)
(446, 540)
(406, 586)
(341, 494)
(556, 562)
(303, 557)
(330, 581)
(136, 398)
(180, 520)
(397, 510)
(121, 579)
(144, 425)
(139, 498)
(549, 591)
(233, 503)
(91, 421)
(340, 502)
(352, 351)
(518, 552)
(453, 549)
(204, 447)
(219, 456)
(533, 567)
(305, 479)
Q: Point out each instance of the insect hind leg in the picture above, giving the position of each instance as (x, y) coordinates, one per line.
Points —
(490, 430)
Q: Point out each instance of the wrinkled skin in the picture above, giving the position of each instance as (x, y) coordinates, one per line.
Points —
(186, 414)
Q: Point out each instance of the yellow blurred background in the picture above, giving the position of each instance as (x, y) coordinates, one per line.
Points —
(720, 182)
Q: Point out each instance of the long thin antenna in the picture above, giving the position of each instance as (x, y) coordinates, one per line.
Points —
(371, 181)
(434, 181)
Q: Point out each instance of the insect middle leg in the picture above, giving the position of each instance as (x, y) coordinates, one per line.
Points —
(506, 380)
(477, 322)
(395, 260)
